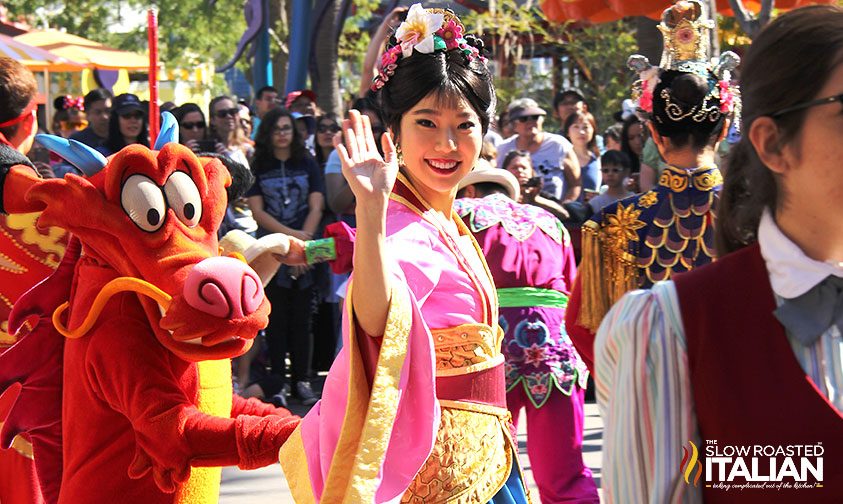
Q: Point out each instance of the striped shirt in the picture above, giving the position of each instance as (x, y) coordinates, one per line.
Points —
(644, 389)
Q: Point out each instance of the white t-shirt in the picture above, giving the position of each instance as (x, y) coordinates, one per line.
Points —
(547, 161)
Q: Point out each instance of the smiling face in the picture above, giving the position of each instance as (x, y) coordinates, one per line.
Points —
(440, 143)
(224, 117)
(131, 124)
(192, 126)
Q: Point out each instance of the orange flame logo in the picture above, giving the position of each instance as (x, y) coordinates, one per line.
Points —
(687, 469)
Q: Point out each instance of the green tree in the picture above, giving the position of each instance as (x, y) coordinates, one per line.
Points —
(190, 31)
(600, 53)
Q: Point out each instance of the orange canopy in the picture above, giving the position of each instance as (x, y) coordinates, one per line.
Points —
(92, 54)
(599, 11)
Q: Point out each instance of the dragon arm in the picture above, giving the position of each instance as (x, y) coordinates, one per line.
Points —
(151, 390)
(14, 185)
(252, 406)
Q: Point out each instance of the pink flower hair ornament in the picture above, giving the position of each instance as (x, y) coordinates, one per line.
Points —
(425, 31)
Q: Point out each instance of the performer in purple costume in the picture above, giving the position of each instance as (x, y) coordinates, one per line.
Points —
(530, 257)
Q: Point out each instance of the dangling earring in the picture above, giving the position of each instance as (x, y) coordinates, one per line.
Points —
(400, 154)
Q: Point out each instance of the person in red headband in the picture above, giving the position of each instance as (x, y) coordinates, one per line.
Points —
(17, 106)
(18, 125)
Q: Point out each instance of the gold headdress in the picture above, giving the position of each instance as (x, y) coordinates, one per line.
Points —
(686, 30)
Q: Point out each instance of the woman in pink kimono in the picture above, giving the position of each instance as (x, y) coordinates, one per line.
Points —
(414, 408)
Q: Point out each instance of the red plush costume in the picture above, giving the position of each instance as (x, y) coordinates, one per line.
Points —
(126, 386)
(27, 256)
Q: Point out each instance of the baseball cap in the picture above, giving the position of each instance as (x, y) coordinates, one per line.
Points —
(524, 107)
(126, 102)
(294, 95)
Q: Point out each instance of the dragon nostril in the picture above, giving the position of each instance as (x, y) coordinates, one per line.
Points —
(152, 216)
(223, 287)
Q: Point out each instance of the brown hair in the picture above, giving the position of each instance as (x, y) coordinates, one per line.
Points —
(787, 64)
(17, 90)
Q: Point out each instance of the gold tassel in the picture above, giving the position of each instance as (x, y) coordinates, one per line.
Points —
(607, 274)
(595, 301)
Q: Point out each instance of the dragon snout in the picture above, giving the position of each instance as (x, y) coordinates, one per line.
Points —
(223, 287)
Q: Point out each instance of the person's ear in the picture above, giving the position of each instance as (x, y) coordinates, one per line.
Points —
(766, 138)
(660, 141)
(25, 134)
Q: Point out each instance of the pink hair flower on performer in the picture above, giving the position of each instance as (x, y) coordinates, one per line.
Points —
(451, 33)
(418, 30)
(390, 56)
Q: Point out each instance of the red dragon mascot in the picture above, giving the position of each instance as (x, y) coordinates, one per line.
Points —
(125, 376)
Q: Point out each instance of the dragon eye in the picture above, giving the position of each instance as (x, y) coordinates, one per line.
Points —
(143, 202)
(184, 199)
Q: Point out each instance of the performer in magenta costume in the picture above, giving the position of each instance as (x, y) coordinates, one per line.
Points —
(532, 262)
(414, 407)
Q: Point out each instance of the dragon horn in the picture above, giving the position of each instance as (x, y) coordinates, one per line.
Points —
(88, 160)
(169, 131)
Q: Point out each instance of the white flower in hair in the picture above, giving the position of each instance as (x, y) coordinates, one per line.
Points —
(417, 31)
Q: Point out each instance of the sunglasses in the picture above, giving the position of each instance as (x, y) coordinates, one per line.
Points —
(611, 170)
(222, 114)
(132, 115)
(328, 128)
(808, 104)
(193, 125)
(283, 130)
(529, 118)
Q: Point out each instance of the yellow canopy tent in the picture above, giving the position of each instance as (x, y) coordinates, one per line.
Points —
(90, 53)
(35, 58)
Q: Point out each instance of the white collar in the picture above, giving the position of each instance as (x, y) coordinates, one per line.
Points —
(792, 273)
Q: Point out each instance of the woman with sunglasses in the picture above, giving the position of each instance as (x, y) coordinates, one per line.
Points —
(327, 126)
(192, 127)
(746, 351)
(127, 124)
(553, 156)
(226, 130)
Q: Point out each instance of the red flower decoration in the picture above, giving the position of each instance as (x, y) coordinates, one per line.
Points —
(450, 32)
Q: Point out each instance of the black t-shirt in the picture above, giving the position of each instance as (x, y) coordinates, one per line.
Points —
(88, 137)
(285, 187)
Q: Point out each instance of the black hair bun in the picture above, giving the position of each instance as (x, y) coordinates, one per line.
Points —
(60, 103)
(475, 41)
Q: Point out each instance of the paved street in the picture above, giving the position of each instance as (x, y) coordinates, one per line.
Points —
(268, 486)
